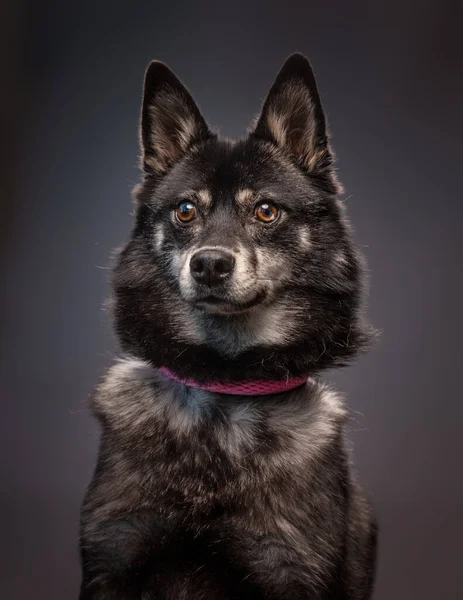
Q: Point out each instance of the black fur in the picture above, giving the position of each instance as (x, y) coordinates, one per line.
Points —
(200, 495)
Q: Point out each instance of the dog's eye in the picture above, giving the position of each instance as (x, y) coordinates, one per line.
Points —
(186, 212)
(267, 213)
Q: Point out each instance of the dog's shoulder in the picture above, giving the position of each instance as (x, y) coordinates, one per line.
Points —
(126, 381)
(311, 420)
(134, 396)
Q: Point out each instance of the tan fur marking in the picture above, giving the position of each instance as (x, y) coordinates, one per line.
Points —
(159, 236)
(186, 132)
(277, 124)
(304, 238)
(155, 164)
(205, 198)
(316, 159)
(245, 195)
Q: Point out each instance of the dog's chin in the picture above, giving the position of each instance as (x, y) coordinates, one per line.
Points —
(217, 305)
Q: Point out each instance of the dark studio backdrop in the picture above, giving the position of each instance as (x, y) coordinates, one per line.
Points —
(391, 81)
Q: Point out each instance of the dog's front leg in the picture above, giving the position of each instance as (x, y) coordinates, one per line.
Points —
(117, 556)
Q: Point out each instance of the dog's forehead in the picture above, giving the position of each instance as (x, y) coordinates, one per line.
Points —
(240, 172)
(232, 164)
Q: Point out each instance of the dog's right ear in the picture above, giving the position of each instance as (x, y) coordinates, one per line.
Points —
(171, 122)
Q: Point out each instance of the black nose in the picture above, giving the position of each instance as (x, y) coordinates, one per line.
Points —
(211, 267)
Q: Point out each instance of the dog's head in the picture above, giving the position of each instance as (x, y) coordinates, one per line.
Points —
(241, 263)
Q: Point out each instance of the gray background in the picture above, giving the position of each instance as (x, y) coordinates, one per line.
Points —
(391, 82)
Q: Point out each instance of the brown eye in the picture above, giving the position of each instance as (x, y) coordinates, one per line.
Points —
(186, 212)
(267, 213)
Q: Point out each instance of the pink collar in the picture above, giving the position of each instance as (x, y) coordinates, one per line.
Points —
(246, 388)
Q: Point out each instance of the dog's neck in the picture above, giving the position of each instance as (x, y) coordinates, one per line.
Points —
(265, 346)
(259, 387)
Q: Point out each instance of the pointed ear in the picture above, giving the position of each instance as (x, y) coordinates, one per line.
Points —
(171, 121)
(293, 119)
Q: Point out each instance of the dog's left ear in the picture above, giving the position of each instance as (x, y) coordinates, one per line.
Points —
(293, 119)
(171, 122)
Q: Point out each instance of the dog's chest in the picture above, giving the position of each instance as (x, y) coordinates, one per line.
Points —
(180, 445)
(204, 479)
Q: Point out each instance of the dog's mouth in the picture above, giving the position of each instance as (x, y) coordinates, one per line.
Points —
(226, 306)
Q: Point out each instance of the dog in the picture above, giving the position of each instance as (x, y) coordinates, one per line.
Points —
(224, 470)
